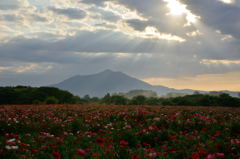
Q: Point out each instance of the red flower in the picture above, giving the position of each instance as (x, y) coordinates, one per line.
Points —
(159, 153)
(35, 150)
(23, 144)
(218, 132)
(195, 155)
(164, 147)
(146, 144)
(109, 146)
(173, 137)
(81, 152)
(56, 155)
(95, 155)
(100, 141)
(123, 143)
(135, 156)
(202, 152)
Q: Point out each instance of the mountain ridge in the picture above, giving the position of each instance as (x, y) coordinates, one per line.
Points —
(108, 81)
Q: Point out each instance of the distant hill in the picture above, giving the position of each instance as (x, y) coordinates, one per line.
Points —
(109, 81)
(102, 83)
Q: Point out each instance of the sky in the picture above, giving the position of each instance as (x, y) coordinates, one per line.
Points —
(181, 44)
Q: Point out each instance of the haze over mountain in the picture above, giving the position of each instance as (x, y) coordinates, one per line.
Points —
(109, 81)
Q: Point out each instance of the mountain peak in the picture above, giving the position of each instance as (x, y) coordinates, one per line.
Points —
(107, 71)
(107, 81)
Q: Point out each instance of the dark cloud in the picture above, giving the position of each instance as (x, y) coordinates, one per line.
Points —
(218, 15)
(69, 12)
(91, 50)
(137, 24)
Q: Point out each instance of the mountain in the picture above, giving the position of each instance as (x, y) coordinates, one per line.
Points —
(106, 82)
(101, 83)
(109, 81)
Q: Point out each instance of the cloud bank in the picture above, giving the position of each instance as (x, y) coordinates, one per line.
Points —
(150, 40)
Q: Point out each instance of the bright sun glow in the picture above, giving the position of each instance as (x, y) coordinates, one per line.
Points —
(177, 8)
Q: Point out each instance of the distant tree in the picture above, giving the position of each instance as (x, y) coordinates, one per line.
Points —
(152, 101)
(167, 102)
(106, 99)
(87, 97)
(118, 100)
(226, 100)
(138, 100)
(94, 100)
(51, 100)
(37, 102)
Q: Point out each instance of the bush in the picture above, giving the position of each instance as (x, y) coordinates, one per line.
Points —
(51, 100)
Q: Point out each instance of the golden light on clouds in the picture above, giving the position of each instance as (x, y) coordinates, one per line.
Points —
(122, 11)
(27, 67)
(207, 82)
(176, 8)
(223, 62)
(227, 1)
(153, 32)
(194, 33)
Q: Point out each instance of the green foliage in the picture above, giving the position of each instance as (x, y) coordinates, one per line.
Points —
(31, 95)
(153, 101)
(51, 100)
(114, 100)
(51, 95)
(138, 100)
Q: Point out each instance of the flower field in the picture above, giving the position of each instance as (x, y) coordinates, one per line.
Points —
(124, 132)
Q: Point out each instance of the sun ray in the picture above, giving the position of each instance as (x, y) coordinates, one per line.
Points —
(176, 8)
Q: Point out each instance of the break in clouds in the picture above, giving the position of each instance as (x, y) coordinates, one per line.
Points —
(43, 42)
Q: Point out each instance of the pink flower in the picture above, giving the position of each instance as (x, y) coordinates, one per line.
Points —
(235, 142)
(152, 155)
(81, 152)
(220, 155)
(211, 156)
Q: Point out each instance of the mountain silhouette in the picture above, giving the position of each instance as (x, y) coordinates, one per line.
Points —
(109, 81)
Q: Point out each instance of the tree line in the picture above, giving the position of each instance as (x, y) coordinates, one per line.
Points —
(188, 100)
(51, 95)
(32, 95)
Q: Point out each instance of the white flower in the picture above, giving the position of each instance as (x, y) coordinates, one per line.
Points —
(8, 147)
(11, 147)
(11, 140)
